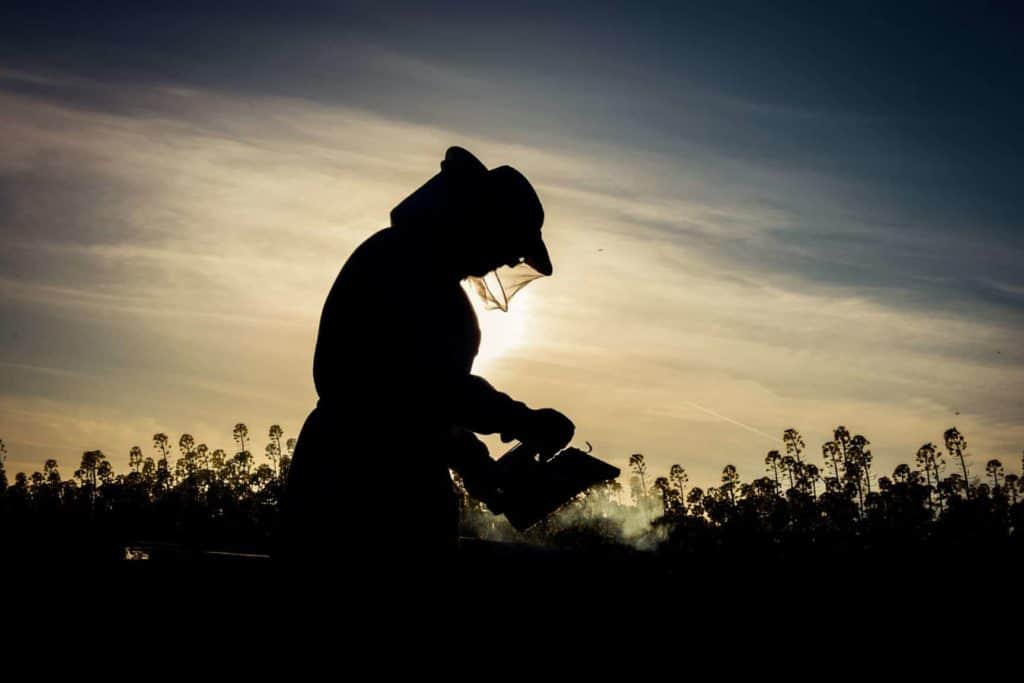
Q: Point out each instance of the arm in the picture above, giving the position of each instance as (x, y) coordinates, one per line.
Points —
(479, 407)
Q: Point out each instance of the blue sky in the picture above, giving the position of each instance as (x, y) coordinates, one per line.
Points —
(806, 216)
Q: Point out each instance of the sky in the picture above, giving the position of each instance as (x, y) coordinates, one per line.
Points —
(759, 217)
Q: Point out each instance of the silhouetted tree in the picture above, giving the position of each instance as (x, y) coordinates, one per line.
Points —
(88, 471)
(730, 480)
(104, 470)
(788, 466)
(774, 461)
(51, 473)
(262, 477)
(841, 436)
(135, 459)
(858, 449)
(274, 451)
(813, 476)
(218, 461)
(956, 444)
(951, 487)
(677, 475)
(832, 456)
(695, 500)
(794, 443)
(187, 447)
(240, 433)
(994, 469)
(286, 459)
(927, 459)
(163, 474)
(203, 456)
(241, 462)
(270, 450)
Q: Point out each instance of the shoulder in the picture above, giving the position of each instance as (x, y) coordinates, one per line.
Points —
(377, 245)
(379, 254)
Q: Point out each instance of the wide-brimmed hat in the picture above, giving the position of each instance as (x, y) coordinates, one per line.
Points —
(508, 200)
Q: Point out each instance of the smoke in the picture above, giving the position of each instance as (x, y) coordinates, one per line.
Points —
(594, 518)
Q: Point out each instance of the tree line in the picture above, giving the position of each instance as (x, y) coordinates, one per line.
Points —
(803, 506)
(204, 497)
(201, 497)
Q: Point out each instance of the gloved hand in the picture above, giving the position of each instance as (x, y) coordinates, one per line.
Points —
(547, 430)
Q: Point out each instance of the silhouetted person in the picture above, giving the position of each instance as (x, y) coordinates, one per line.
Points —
(398, 402)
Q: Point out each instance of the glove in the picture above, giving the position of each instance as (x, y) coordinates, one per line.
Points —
(547, 430)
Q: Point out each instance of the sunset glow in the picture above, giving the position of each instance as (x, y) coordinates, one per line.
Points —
(742, 240)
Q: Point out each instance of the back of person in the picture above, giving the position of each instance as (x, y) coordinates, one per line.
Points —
(370, 466)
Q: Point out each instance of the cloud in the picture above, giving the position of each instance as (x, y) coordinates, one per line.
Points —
(167, 263)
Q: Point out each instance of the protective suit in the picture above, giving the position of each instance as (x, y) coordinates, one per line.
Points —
(398, 403)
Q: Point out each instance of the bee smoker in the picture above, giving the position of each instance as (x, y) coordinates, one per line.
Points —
(531, 488)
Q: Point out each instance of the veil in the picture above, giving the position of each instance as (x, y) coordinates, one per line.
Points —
(497, 287)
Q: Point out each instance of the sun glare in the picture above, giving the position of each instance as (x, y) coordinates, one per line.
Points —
(501, 333)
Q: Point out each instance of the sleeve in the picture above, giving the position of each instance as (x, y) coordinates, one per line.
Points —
(479, 407)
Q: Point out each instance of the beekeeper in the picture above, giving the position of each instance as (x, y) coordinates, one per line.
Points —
(398, 402)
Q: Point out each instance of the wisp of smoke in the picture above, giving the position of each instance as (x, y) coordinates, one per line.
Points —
(595, 517)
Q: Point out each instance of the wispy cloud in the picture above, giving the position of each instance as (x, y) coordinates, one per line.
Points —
(170, 245)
